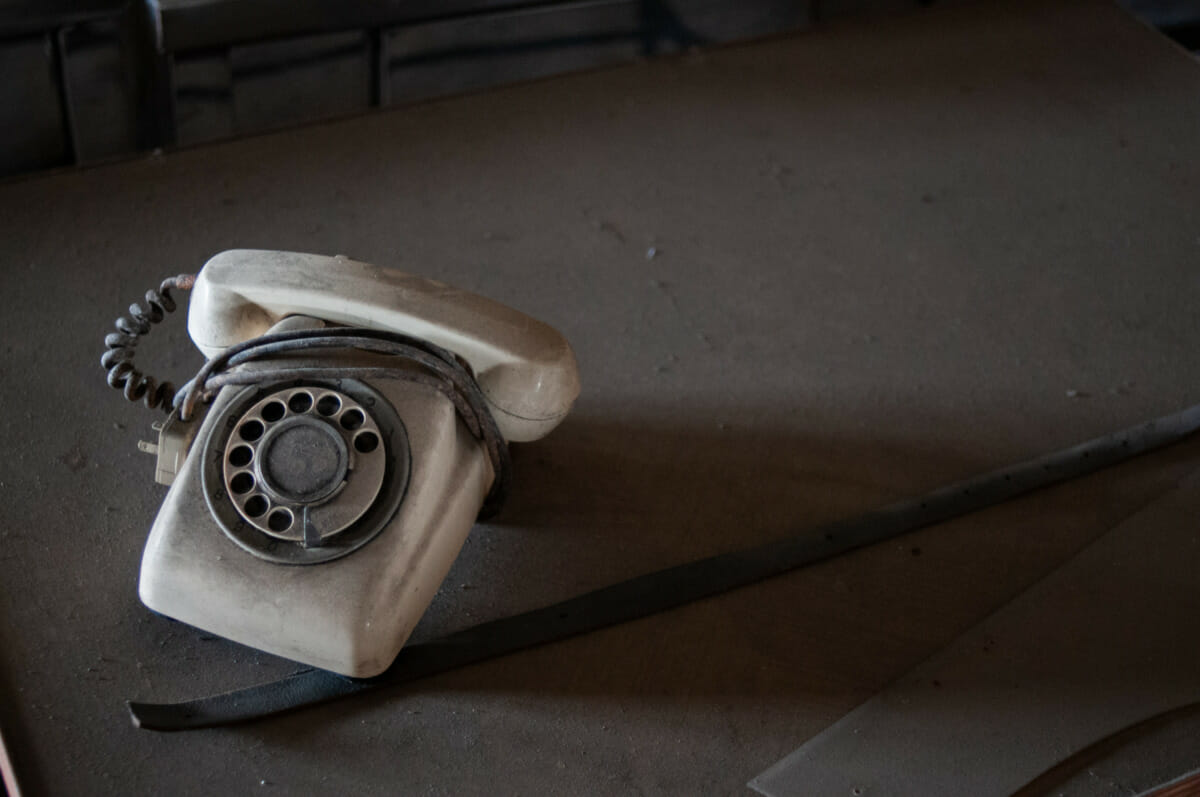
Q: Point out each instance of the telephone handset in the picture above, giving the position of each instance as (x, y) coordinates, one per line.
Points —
(525, 368)
(350, 418)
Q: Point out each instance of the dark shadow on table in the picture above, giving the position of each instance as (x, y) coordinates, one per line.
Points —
(599, 501)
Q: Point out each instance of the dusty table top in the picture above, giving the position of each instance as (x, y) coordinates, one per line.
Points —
(884, 256)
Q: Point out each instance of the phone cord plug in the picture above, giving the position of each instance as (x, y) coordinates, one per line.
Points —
(118, 360)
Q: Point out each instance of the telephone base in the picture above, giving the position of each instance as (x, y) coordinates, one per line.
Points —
(350, 615)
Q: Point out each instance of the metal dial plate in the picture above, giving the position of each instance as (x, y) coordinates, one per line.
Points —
(304, 463)
(301, 473)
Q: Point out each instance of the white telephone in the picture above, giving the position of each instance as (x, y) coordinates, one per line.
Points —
(358, 424)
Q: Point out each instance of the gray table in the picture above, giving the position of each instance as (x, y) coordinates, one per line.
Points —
(886, 256)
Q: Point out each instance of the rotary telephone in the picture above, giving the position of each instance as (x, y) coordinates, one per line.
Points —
(327, 462)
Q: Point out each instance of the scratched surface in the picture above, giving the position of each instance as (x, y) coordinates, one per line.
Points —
(803, 277)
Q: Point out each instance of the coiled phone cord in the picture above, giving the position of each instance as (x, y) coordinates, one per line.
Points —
(118, 360)
(437, 368)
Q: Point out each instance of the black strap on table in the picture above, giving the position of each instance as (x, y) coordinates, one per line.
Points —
(666, 589)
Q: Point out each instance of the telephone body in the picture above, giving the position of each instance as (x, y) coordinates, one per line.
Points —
(315, 518)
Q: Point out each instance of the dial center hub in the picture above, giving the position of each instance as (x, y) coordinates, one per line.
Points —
(303, 459)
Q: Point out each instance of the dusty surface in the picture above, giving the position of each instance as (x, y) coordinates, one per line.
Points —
(1099, 647)
(885, 256)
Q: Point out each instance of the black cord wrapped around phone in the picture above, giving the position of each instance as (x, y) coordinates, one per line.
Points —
(440, 369)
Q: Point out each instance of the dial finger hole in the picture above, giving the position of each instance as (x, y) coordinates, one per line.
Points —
(300, 403)
(366, 442)
(251, 431)
(272, 411)
(240, 456)
(329, 404)
(242, 483)
(352, 419)
(256, 506)
(280, 520)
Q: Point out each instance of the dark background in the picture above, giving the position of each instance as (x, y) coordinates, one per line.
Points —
(83, 81)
